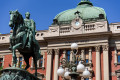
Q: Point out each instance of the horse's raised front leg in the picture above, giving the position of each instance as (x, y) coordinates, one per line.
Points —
(14, 53)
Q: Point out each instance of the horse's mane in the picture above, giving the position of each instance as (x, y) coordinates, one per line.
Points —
(21, 18)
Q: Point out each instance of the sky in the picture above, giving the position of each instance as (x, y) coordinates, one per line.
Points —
(44, 11)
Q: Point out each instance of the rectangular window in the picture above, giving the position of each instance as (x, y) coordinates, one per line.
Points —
(68, 55)
(86, 61)
(118, 27)
(86, 57)
(41, 61)
(118, 57)
(1, 62)
(20, 62)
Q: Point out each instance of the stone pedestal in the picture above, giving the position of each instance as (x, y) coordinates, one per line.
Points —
(14, 73)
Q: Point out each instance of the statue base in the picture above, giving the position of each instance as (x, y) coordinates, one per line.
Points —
(13, 73)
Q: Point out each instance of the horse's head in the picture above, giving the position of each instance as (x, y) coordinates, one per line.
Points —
(13, 18)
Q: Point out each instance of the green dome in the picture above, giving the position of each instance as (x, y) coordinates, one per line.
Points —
(87, 12)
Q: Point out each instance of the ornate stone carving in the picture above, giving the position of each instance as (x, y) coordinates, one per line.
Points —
(53, 29)
(77, 22)
(56, 51)
(105, 47)
(49, 52)
(97, 48)
(82, 51)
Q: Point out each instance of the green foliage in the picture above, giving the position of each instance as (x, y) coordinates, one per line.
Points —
(1, 67)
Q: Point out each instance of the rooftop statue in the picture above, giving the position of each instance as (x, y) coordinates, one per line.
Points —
(23, 38)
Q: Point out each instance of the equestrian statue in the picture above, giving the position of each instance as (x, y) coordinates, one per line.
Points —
(23, 38)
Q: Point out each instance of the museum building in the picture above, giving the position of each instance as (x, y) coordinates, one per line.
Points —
(98, 44)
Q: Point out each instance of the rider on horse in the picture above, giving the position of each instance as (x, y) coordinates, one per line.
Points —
(31, 31)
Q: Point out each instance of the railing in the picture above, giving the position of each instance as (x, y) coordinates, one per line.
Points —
(65, 29)
(89, 27)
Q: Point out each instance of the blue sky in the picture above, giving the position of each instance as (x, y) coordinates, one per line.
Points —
(44, 11)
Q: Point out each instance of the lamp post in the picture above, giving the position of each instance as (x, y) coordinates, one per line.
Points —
(73, 70)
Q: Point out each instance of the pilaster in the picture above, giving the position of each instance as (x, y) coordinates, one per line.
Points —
(115, 60)
(106, 61)
(49, 64)
(56, 63)
(98, 69)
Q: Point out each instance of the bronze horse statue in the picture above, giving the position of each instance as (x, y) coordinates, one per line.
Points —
(19, 40)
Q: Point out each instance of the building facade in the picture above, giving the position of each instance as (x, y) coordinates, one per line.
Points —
(86, 25)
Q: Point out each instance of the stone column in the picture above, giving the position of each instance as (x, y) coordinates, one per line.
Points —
(105, 62)
(43, 64)
(83, 54)
(49, 64)
(56, 64)
(64, 53)
(32, 63)
(3, 61)
(90, 55)
(118, 78)
(115, 61)
(38, 62)
(17, 62)
(71, 55)
(98, 70)
(23, 62)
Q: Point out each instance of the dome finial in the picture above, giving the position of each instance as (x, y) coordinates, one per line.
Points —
(85, 0)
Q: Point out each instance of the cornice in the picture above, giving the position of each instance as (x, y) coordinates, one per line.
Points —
(79, 35)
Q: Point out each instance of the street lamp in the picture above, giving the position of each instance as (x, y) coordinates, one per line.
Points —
(73, 70)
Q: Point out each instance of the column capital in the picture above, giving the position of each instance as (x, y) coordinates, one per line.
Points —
(97, 48)
(90, 49)
(82, 50)
(64, 51)
(56, 51)
(105, 47)
(49, 52)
